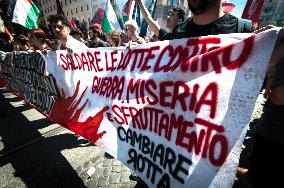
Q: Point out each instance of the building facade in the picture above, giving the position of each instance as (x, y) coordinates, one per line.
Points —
(84, 10)
(271, 11)
(79, 9)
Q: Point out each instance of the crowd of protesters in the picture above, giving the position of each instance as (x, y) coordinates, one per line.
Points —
(64, 37)
(208, 19)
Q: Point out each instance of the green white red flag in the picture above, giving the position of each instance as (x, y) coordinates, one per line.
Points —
(26, 14)
(110, 22)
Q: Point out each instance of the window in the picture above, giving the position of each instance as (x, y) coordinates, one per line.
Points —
(54, 7)
(87, 7)
(65, 2)
(71, 12)
(81, 8)
(70, 1)
(89, 20)
(76, 10)
(67, 13)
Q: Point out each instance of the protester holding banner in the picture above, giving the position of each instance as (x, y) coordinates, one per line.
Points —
(267, 156)
(113, 38)
(61, 29)
(77, 34)
(95, 39)
(131, 29)
(176, 16)
(38, 39)
(22, 43)
(208, 19)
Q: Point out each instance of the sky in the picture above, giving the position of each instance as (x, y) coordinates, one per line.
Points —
(240, 5)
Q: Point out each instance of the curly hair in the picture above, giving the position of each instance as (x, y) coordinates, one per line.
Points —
(114, 35)
(180, 12)
(39, 33)
(59, 17)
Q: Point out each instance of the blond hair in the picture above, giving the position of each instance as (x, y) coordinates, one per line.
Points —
(132, 23)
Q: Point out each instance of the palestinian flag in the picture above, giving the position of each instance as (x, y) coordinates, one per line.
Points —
(26, 14)
(128, 10)
(109, 22)
(253, 10)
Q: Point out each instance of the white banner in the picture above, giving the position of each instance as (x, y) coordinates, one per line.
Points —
(176, 112)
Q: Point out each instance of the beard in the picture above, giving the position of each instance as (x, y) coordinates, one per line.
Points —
(58, 35)
(199, 6)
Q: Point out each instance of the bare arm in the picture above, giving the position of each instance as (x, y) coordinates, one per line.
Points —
(276, 57)
(155, 27)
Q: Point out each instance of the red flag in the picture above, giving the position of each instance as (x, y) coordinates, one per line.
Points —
(227, 6)
(73, 23)
(252, 11)
(59, 8)
(98, 17)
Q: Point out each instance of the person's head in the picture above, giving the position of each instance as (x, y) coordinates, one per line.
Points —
(4, 37)
(94, 33)
(131, 28)
(98, 27)
(77, 34)
(22, 42)
(198, 7)
(123, 39)
(113, 38)
(60, 26)
(37, 38)
(176, 15)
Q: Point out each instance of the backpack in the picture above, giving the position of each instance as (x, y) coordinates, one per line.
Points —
(244, 26)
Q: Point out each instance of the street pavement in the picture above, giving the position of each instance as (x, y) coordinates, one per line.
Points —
(35, 152)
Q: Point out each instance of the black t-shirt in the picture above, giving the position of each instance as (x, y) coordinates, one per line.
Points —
(6, 47)
(97, 44)
(164, 35)
(279, 79)
(224, 25)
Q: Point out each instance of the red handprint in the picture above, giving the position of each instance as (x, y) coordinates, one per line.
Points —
(63, 109)
(66, 113)
(89, 129)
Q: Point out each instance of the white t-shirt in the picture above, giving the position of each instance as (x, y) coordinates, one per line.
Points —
(74, 44)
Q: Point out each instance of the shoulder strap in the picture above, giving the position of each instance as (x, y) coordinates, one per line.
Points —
(244, 25)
